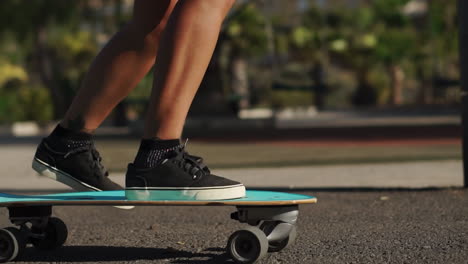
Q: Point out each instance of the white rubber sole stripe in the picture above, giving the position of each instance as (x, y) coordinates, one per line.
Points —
(186, 194)
(184, 188)
(55, 174)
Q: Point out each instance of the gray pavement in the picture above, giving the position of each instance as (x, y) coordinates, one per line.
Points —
(373, 226)
(16, 176)
(369, 118)
(343, 227)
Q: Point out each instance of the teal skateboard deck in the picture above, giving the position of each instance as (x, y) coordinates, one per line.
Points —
(117, 198)
(271, 219)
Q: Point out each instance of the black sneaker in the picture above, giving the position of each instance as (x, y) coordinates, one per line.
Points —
(80, 168)
(180, 177)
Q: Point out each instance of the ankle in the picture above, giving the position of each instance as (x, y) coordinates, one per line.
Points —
(154, 150)
(76, 125)
(64, 139)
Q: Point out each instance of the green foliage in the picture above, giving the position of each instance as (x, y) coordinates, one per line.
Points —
(29, 25)
(302, 36)
(395, 45)
(284, 98)
(24, 16)
(11, 72)
(74, 50)
(353, 42)
(365, 17)
(26, 104)
(379, 35)
(390, 12)
(442, 31)
(246, 31)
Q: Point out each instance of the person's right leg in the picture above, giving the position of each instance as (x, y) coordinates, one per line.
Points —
(68, 154)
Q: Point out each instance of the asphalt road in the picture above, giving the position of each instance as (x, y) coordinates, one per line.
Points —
(344, 227)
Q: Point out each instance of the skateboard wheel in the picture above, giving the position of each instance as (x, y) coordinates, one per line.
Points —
(247, 245)
(12, 244)
(54, 235)
(280, 245)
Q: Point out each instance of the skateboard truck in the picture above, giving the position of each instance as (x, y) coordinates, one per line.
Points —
(36, 215)
(271, 229)
(35, 226)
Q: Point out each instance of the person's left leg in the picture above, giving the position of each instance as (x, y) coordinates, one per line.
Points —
(162, 168)
(120, 66)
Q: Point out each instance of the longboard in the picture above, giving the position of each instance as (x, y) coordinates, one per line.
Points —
(271, 219)
(117, 198)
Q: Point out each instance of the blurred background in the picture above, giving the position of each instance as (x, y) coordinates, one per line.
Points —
(310, 84)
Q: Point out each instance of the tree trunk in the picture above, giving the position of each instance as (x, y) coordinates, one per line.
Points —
(240, 82)
(365, 94)
(320, 87)
(397, 77)
(45, 68)
(424, 94)
(211, 98)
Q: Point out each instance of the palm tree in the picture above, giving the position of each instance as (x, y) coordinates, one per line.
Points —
(245, 36)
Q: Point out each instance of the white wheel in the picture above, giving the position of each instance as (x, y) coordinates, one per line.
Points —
(247, 245)
(12, 243)
(273, 229)
(280, 245)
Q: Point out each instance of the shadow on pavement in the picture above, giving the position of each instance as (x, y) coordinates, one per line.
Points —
(77, 254)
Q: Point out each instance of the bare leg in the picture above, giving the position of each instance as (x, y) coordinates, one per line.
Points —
(163, 169)
(185, 50)
(119, 67)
